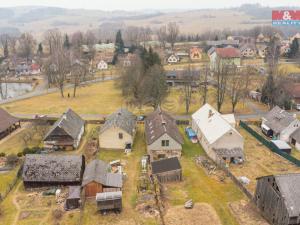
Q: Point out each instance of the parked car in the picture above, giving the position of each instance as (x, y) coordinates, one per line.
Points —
(191, 135)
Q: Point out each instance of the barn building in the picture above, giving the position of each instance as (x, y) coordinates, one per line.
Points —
(162, 136)
(66, 132)
(97, 178)
(8, 123)
(278, 198)
(52, 170)
(167, 170)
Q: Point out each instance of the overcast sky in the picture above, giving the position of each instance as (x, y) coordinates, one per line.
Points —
(144, 4)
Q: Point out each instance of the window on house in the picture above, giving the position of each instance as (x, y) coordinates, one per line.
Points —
(165, 143)
(120, 135)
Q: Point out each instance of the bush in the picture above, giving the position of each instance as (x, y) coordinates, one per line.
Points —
(33, 150)
(57, 214)
(2, 154)
(12, 160)
(20, 154)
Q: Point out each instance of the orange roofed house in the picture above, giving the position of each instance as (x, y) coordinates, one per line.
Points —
(224, 56)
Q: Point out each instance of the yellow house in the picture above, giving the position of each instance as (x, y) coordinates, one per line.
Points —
(118, 130)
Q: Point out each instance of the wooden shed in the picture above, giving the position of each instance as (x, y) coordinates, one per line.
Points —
(97, 178)
(73, 199)
(109, 201)
(278, 198)
(167, 170)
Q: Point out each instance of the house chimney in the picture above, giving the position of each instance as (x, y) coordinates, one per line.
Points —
(210, 113)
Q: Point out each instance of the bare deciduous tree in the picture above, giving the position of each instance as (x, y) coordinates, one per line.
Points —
(173, 32)
(162, 36)
(188, 81)
(132, 35)
(222, 71)
(26, 45)
(78, 72)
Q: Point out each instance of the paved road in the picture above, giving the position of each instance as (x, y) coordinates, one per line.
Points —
(43, 90)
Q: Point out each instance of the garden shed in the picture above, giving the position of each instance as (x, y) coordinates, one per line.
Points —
(282, 145)
(167, 170)
(73, 199)
(109, 201)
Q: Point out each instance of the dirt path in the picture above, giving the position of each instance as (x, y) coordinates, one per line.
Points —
(16, 204)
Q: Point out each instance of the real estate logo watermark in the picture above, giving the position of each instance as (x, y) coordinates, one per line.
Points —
(286, 17)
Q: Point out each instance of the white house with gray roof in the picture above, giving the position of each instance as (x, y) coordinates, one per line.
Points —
(279, 124)
(218, 137)
(118, 130)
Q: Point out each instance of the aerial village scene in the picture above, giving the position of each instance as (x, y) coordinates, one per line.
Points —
(122, 115)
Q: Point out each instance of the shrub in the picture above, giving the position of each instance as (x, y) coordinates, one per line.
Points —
(57, 214)
(2, 154)
(20, 154)
(33, 150)
(12, 160)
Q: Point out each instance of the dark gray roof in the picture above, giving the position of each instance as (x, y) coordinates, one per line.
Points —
(159, 123)
(278, 119)
(248, 45)
(98, 171)
(52, 168)
(70, 122)
(165, 165)
(74, 192)
(122, 119)
(289, 188)
(296, 135)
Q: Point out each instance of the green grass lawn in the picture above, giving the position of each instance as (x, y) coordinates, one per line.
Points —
(6, 179)
(15, 144)
(200, 187)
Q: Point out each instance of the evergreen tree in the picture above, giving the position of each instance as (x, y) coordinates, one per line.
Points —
(67, 44)
(268, 91)
(119, 43)
(5, 50)
(294, 48)
(40, 49)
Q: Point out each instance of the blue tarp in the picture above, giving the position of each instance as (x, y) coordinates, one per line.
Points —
(190, 132)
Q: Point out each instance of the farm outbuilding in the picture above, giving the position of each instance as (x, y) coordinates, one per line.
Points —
(282, 145)
(66, 132)
(52, 170)
(8, 123)
(167, 170)
(277, 198)
(109, 201)
(73, 199)
(97, 178)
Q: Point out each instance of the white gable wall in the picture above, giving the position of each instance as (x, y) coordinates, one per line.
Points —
(109, 139)
(286, 133)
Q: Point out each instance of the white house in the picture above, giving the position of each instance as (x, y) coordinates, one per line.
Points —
(102, 65)
(118, 130)
(220, 140)
(279, 124)
(173, 59)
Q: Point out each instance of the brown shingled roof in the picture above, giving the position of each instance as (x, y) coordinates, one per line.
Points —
(6, 120)
(159, 123)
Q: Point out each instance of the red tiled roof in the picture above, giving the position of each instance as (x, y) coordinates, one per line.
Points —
(35, 66)
(228, 52)
(294, 90)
